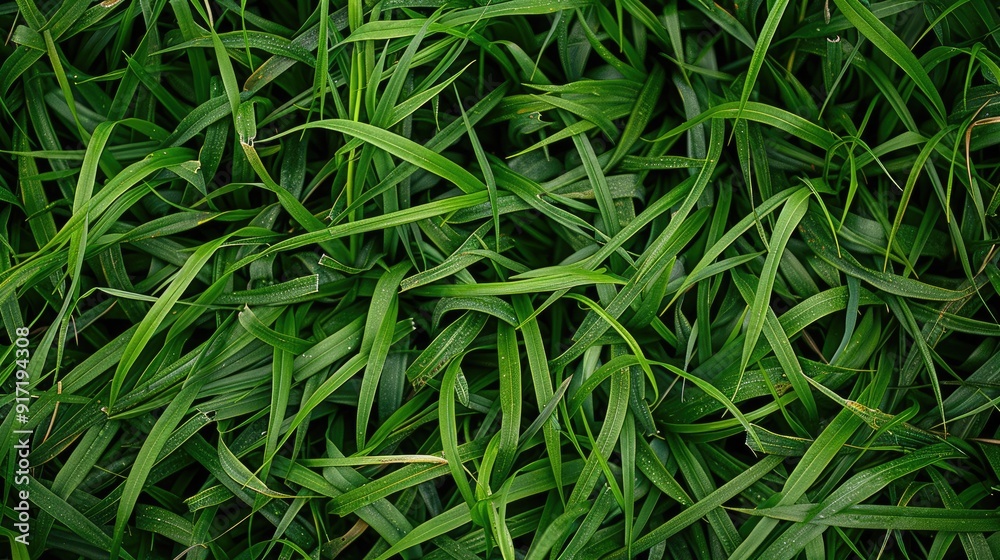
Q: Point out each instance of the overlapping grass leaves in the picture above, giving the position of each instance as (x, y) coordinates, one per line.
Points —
(518, 279)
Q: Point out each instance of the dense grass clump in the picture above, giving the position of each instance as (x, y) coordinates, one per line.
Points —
(500, 279)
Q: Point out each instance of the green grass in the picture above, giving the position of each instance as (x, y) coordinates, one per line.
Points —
(523, 279)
